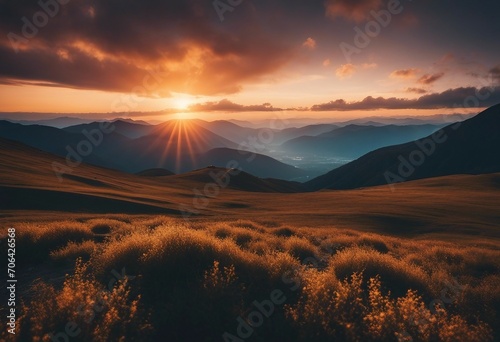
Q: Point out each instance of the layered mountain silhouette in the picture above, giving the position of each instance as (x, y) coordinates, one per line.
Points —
(59, 122)
(179, 146)
(353, 141)
(469, 147)
(296, 132)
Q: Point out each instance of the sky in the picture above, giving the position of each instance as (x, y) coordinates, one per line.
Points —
(249, 59)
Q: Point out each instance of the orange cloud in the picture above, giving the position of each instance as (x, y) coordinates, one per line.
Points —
(430, 78)
(345, 71)
(310, 43)
(145, 49)
(404, 73)
(356, 10)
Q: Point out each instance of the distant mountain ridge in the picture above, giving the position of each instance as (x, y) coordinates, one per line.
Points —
(175, 145)
(469, 147)
(353, 141)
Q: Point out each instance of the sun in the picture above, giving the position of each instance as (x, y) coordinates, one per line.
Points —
(182, 103)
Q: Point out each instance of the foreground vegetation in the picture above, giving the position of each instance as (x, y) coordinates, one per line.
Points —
(151, 279)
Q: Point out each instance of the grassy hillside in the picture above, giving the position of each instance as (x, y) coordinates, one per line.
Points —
(183, 281)
(420, 207)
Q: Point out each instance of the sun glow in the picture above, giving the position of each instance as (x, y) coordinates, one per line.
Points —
(181, 102)
(180, 140)
(182, 116)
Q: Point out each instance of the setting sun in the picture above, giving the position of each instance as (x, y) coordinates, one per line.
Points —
(182, 102)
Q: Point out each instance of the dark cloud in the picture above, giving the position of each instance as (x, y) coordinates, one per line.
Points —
(113, 45)
(495, 73)
(228, 106)
(430, 78)
(416, 90)
(452, 98)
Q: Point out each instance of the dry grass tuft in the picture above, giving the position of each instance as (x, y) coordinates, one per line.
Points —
(72, 251)
(284, 232)
(398, 275)
(301, 248)
(38, 241)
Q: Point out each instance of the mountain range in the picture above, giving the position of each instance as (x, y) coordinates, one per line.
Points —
(180, 146)
(352, 141)
(468, 147)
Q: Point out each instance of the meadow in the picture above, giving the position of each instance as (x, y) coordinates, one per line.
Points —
(152, 278)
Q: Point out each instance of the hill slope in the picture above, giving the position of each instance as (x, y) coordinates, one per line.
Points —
(254, 163)
(236, 179)
(470, 147)
(28, 182)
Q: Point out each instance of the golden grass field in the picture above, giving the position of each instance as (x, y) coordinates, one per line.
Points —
(111, 255)
(192, 280)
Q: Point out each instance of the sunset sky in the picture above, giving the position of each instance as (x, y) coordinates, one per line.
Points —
(211, 60)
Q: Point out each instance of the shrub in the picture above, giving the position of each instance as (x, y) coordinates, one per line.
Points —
(38, 241)
(375, 242)
(346, 310)
(300, 248)
(397, 275)
(73, 251)
(100, 314)
(283, 232)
